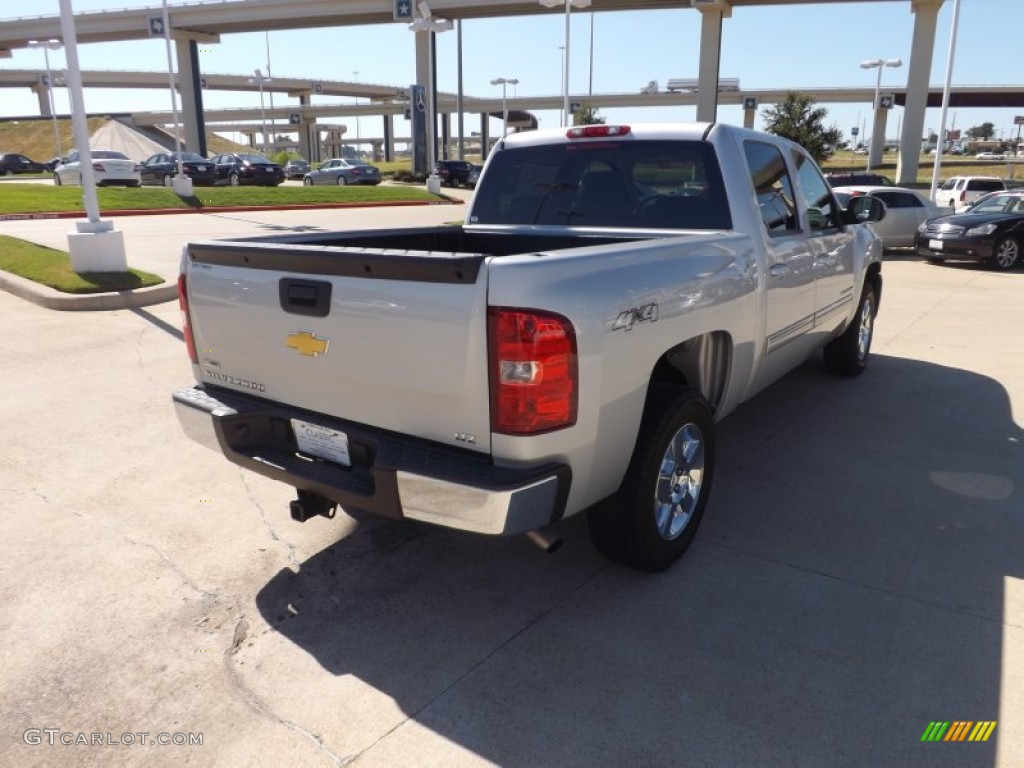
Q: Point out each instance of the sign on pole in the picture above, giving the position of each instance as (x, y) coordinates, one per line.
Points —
(156, 26)
(1018, 120)
(750, 102)
(403, 10)
(886, 101)
(419, 129)
(294, 118)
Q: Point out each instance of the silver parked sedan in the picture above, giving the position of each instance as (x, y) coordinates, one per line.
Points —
(905, 210)
(342, 172)
(108, 167)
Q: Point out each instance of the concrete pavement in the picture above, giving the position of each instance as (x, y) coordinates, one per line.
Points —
(859, 573)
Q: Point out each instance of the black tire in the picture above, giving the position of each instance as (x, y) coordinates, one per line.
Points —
(341, 181)
(234, 180)
(167, 181)
(652, 519)
(56, 180)
(848, 354)
(307, 182)
(933, 260)
(1005, 253)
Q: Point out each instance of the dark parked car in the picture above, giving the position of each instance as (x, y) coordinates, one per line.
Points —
(474, 176)
(245, 168)
(12, 163)
(342, 172)
(295, 169)
(853, 179)
(992, 230)
(161, 169)
(453, 173)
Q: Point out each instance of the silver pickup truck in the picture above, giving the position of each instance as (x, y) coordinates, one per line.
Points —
(613, 293)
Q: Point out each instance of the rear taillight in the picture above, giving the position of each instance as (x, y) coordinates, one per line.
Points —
(98, 167)
(186, 323)
(533, 371)
(963, 195)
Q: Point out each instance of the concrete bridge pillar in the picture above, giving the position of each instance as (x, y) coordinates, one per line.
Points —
(710, 59)
(926, 14)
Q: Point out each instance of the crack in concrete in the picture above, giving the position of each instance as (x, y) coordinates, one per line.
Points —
(257, 704)
(163, 555)
(292, 559)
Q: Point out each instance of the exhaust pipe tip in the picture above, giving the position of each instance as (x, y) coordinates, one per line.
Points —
(546, 539)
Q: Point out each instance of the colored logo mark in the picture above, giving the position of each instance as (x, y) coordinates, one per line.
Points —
(307, 344)
(959, 730)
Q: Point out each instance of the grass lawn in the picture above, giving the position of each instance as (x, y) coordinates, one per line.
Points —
(53, 268)
(47, 198)
(952, 165)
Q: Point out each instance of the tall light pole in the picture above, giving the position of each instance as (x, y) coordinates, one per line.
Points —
(561, 56)
(355, 79)
(259, 79)
(50, 45)
(504, 82)
(565, 70)
(945, 100)
(873, 150)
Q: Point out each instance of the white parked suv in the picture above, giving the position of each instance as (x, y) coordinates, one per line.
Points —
(959, 192)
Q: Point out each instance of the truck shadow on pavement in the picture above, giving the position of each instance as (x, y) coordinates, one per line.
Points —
(847, 588)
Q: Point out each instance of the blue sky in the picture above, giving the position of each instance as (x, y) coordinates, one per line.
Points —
(774, 47)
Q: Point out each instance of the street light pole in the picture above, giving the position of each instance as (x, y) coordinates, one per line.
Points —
(259, 79)
(50, 45)
(561, 56)
(877, 64)
(504, 82)
(565, 69)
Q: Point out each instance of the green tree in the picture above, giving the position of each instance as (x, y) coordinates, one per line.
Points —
(796, 118)
(985, 131)
(587, 115)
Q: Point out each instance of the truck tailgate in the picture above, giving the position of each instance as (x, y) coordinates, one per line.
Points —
(391, 340)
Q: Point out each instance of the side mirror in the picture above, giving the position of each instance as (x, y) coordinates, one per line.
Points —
(864, 209)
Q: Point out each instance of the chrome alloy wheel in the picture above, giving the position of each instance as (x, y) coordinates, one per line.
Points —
(1007, 252)
(867, 326)
(679, 482)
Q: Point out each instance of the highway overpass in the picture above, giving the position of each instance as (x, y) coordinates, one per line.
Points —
(197, 23)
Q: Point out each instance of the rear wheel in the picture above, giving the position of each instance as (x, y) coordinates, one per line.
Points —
(342, 181)
(848, 354)
(652, 519)
(56, 180)
(1005, 253)
(168, 181)
(308, 182)
(234, 180)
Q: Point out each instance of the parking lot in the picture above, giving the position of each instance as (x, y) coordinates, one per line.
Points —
(859, 574)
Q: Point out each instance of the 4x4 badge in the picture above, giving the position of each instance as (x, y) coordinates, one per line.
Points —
(307, 344)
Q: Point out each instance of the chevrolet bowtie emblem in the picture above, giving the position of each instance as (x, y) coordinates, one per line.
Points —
(308, 344)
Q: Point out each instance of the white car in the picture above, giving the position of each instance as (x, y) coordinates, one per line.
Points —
(960, 192)
(108, 168)
(905, 210)
(990, 156)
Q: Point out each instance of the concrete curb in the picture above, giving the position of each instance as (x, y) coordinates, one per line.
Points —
(50, 298)
(226, 209)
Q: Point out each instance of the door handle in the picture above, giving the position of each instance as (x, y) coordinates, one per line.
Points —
(778, 270)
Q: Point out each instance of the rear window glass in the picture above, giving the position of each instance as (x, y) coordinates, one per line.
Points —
(985, 185)
(642, 184)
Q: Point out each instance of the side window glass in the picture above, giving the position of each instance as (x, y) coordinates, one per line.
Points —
(772, 187)
(816, 195)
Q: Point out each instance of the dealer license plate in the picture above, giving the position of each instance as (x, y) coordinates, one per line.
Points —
(322, 442)
(935, 245)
